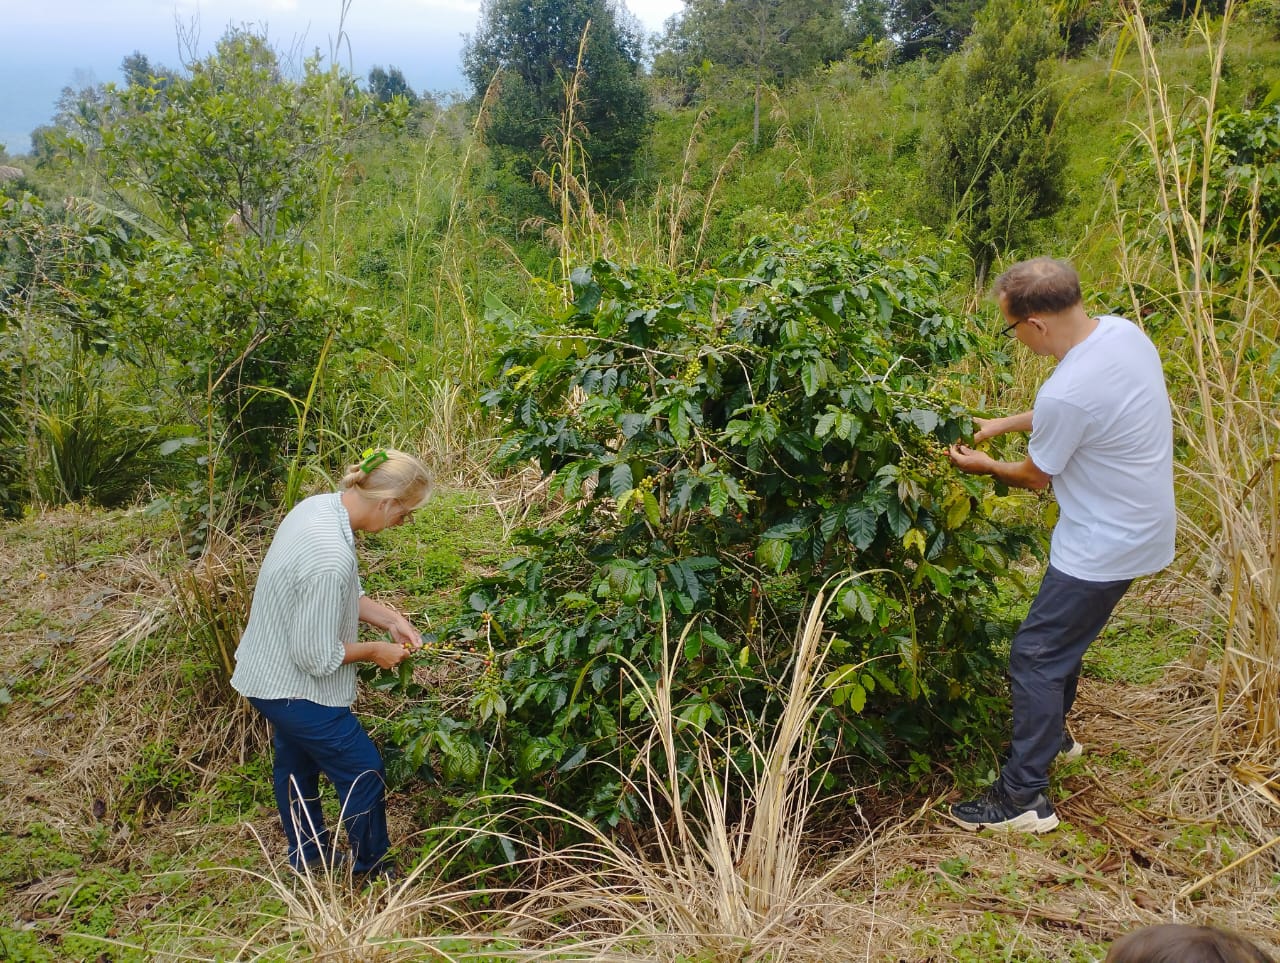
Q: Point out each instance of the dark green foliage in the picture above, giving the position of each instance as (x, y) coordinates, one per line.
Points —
(727, 444)
(531, 48)
(991, 161)
(138, 71)
(1243, 196)
(1238, 188)
(1264, 13)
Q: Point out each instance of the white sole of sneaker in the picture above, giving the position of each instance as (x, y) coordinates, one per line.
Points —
(1075, 752)
(1027, 822)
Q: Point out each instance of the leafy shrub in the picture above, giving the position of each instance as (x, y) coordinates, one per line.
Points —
(1264, 13)
(1233, 199)
(727, 444)
(54, 396)
(1244, 187)
(227, 167)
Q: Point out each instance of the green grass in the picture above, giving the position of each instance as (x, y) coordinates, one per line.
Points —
(1136, 647)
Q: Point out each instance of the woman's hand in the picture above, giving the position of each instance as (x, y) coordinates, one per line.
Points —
(387, 655)
(389, 620)
(405, 635)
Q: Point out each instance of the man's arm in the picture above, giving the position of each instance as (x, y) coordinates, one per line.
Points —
(1019, 474)
(991, 427)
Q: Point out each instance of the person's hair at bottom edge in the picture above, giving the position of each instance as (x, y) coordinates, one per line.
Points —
(1182, 943)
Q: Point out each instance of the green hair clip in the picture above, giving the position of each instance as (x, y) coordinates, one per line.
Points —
(371, 458)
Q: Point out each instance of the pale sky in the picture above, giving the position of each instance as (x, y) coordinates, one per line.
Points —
(51, 44)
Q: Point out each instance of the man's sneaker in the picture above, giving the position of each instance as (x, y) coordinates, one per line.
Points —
(1070, 748)
(995, 810)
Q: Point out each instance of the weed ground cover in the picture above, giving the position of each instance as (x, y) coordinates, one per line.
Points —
(129, 831)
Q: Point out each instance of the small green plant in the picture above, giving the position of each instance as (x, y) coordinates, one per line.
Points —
(93, 445)
(158, 781)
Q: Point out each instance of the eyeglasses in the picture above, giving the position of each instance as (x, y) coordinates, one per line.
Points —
(1007, 331)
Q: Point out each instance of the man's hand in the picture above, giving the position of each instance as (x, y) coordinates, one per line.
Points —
(969, 461)
(989, 428)
(1020, 474)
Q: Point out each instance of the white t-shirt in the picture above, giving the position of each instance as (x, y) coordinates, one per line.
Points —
(1102, 429)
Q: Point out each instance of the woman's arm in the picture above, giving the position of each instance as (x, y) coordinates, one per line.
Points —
(385, 617)
(386, 655)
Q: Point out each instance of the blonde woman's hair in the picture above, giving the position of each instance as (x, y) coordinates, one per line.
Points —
(397, 476)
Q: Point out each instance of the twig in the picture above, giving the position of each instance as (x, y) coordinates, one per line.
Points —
(1202, 883)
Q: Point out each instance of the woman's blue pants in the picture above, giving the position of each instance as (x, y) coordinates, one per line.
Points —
(310, 739)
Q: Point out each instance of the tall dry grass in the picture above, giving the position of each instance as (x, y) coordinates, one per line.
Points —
(726, 867)
(1222, 326)
(721, 863)
(581, 233)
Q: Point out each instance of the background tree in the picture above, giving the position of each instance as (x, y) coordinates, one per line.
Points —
(220, 175)
(771, 40)
(928, 28)
(531, 46)
(139, 71)
(385, 84)
(991, 162)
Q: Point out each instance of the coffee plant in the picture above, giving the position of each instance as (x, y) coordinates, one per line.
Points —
(725, 445)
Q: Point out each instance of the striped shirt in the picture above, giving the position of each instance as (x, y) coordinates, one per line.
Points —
(305, 607)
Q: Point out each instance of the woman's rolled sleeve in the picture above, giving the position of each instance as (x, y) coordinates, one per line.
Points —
(315, 637)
